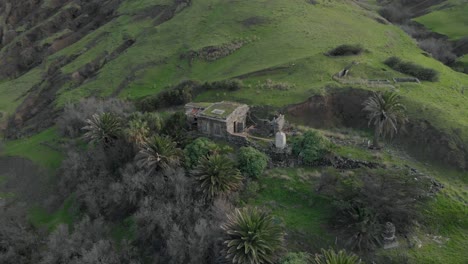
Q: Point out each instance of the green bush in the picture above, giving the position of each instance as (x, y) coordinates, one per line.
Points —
(310, 147)
(199, 148)
(412, 69)
(392, 61)
(346, 50)
(230, 85)
(251, 161)
(296, 258)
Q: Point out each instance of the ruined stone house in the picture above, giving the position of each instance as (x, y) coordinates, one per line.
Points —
(217, 119)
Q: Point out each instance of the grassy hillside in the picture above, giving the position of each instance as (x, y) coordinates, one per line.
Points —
(258, 41)
(290, 37)
(449, 19)
(41, 149)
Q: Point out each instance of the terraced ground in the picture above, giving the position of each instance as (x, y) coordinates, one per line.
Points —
(153, 44)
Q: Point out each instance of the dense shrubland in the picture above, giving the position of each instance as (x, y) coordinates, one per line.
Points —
(412, 69)
(180, 199)
(133, 171)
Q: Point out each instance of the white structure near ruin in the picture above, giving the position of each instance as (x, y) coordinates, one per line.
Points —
(280, 140)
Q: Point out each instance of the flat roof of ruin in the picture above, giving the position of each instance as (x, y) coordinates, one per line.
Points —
(220, 110)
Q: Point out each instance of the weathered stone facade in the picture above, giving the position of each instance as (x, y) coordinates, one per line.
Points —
(220, 119)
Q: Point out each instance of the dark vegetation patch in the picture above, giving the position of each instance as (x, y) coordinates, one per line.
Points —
(254, 21)
(37, 111)
(366, 199)
(170, 12)
(460, 66)
(422, 73)
(212, 53)
(346, 50)
(263, 72)
(23, 179)
(150, 12)
(185, 92)
(402, 10)
(90, 69)
(440, 49)
(461, 46)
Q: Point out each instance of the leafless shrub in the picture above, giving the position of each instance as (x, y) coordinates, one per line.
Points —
(395, 13)
(439, 49)
(74, 116)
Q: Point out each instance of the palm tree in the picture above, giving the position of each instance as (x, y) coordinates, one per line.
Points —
(386, 113)
(361, 227)
(159, 153)
(332, 257)
(104, 128)
(217, 175)
(138, 131)
(253, 237)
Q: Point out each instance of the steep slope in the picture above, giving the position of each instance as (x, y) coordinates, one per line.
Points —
(149, 45)
(448, 18)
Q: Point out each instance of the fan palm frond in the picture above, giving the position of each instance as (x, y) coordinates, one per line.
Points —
(217, 175)
(386, 113)
(253, 237)
(332, 257)
(138, 131)
(159, 153)
(103, 128)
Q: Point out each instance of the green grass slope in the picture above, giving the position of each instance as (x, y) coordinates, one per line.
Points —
(289, 35)
(41, 149)
(293, 35)
(449, 19)
(284, 41)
